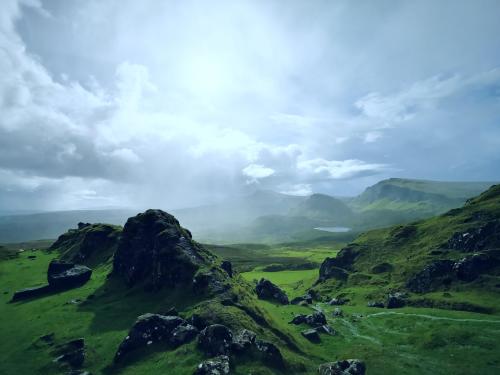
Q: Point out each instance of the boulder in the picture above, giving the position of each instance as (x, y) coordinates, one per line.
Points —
(337, 312)
(379, 304)
(63, 275)
(148, 329)
(298, 319)
(396, 300)
(268, 291)
(325, 328)
(270, 354)
(346, 367)
(311, 334)
(216, 366)
(307, 298)
(337, 302)
(316, 319)
(215, 340)
(183, 334)
(154, 248)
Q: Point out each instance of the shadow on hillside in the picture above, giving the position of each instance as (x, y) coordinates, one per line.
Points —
(116, 306)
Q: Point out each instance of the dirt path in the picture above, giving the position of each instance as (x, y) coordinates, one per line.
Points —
(434, 317)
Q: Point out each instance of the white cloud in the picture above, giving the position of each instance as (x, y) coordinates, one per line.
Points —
(256, 172)
(339, 169)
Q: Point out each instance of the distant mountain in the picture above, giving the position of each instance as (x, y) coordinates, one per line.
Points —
(323, 208)
(415, 198)
(49, 225)
(270, 216)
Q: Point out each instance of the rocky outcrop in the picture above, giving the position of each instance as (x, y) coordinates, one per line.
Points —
(268, 291)
(486, 236)
(338, 267)
(88, 244)
(346, 367)
(155, 249)
(470, 267)
(228, 267)
(183, 334)
(433, 275)
(216, 366)
(148, 329)
(444, 272)
(396, 300)
(243, 341)
(269, 353)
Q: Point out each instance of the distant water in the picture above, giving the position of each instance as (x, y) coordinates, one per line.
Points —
(334, 229)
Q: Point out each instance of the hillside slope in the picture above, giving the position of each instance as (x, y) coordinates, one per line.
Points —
(458, 251)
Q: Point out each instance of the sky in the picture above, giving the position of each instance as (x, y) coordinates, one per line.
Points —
(171, 104)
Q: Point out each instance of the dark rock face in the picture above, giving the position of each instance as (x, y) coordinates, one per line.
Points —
(330, 270)
(346, 367)
(215, 340)
(396, 300)
(306, 298)
(336, 268)
(72, 353)
(432, 276)
(470, 267)
(475, 239)
(270, 353)
(444, 272)
(155, 248)
(268, 291)
(216, 366)
(67, 275)
(183, 334)
(311, 334)
(317, 318)
(228, 267)
(148, 329)
(243, 341)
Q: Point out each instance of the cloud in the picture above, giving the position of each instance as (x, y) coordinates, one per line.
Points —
(256, 172)
(173, 111)
(423, 96)
(339, 169)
